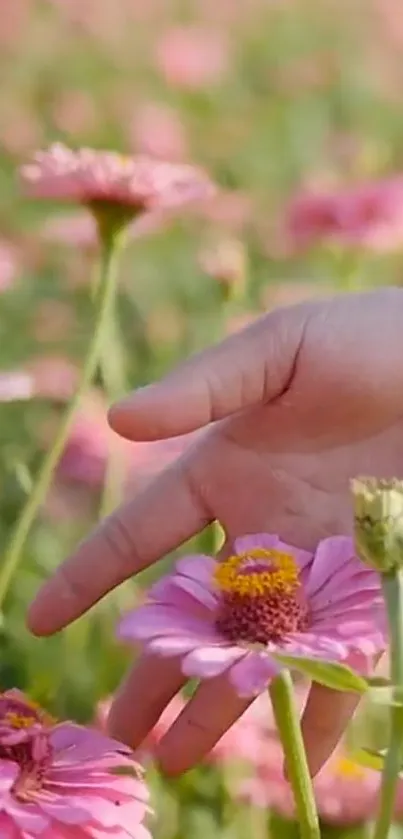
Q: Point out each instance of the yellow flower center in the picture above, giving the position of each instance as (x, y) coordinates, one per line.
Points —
(347, 768)
(257, 573)
(19, 720)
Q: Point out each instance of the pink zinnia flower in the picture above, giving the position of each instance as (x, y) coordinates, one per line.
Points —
(268, 597)
(88, 176)
(367, 216)
(63, 780)
(345, 792)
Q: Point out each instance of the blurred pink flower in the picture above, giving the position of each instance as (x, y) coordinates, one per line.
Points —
(9, 265)
(92, 440)
(54, 377)
(226, 262)
(16, 385)
(229, 210)
(232, 616)
(192, 56)
(157, 130)
(75, 113)
(345, 792)
(53, 321)
(88, 176)
(62, 780)
(366, 216)
(77, 230)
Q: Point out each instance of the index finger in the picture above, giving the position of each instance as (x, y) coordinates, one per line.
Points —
(164, 515)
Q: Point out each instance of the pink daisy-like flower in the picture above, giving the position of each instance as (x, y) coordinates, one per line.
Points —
(267, 598)
(89, 177)
(369, 215)
(63, 780)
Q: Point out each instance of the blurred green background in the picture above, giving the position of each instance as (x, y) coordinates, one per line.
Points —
(271, 97)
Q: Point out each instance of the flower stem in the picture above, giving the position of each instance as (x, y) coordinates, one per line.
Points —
(286, 716)
(113, 376)
(104, 298)
(392, 585)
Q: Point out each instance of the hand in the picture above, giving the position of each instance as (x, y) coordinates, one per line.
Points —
(302, 400)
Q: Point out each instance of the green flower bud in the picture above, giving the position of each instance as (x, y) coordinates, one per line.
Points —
(378, 522)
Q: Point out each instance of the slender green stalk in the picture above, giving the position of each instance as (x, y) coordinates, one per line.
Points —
(23, 524)
(392, 584)
(114, 380)
(286, 716)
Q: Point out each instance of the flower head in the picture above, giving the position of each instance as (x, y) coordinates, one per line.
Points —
(378, 522)
(233, 616)
(369, 216)
(16, 385)
(139, 184)
(58, 779)
(346, 793)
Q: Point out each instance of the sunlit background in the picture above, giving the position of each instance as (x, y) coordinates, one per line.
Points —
(279, 100)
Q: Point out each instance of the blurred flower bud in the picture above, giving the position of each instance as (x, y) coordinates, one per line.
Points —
(226, 262)
(378, 522)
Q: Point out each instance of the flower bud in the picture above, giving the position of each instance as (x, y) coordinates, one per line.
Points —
(378, 522)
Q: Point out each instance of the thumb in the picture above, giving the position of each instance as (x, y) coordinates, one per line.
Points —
(254, 366)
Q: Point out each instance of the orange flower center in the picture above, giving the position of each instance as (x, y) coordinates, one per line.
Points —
(260, 597)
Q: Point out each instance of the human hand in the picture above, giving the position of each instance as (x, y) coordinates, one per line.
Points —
(301, 401)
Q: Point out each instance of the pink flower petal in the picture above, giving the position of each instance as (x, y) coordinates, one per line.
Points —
(198, 567)
(151, 620)
(208, 662)
(172, 645)
(331, 555)
(252, 673)
(244, 544)
(9, 771)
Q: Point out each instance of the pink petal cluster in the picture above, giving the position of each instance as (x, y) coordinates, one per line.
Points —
(87, 176)
(65, 781)
(335, 612)
(346, 793)
(368, 215)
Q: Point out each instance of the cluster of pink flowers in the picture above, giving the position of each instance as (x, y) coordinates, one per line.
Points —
(268, 597)
(64, 780)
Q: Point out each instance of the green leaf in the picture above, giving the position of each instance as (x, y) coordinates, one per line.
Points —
(378, 682)
(387, 695)
(331, 674)
(370, 758)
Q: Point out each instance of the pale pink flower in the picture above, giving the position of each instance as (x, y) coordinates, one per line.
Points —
(192, 56)
(345, 792)
(231, 616)
(78, 230)
(54, 377)
(366, 216)
(63, 780)
(157, 130)
(226, 262)
(75, 112)
(16, 385)
(88, 176)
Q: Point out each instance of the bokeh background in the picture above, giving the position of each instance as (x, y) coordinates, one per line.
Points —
(274, 98)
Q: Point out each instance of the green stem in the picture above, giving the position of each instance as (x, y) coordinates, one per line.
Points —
(286, 716)
(20, 533)
(392, 585)
(113, 376)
